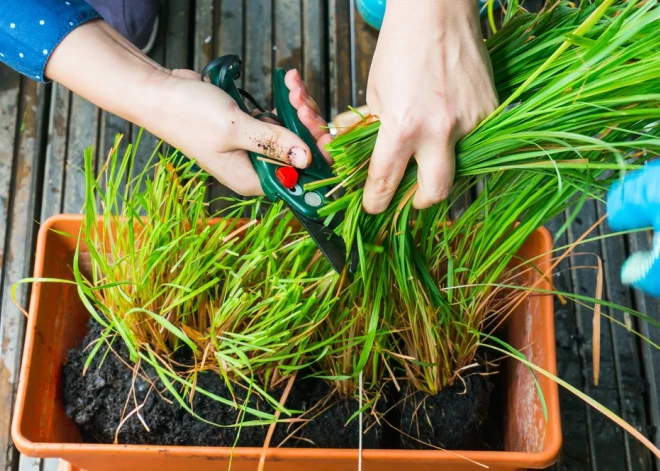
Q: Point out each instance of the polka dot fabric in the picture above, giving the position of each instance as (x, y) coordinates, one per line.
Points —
(31, 29)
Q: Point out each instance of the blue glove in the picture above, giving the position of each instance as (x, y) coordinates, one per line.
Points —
(635, 204)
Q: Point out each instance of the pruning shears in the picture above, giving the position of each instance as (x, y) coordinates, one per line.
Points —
(283, 182)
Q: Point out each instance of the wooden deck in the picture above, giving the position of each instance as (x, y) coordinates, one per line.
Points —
(44, 129)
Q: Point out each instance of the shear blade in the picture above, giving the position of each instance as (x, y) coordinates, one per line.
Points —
(331, 245)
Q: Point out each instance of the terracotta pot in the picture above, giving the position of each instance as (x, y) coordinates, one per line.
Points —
(58, 322)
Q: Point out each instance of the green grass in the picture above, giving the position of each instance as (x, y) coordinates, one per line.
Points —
(252, 299)
(585, 82)
(241, 296)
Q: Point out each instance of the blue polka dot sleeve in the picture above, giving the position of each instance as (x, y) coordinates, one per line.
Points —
(31, 29)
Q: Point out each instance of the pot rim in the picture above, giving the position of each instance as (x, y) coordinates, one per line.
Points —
(551, 445)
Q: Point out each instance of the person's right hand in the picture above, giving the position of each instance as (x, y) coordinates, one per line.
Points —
(430, 83)
(635, 204)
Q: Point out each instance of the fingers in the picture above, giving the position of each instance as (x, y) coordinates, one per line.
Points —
(276, 142)
(309, 112)
(322, 143)
(273, 141)
(318, 129)
(298, 92)
(312, 121)
(388, 164)
(435, 174)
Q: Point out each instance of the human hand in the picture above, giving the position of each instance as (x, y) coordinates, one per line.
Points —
(205, 123)
(635, 204)
(430, 84)
(196, 117)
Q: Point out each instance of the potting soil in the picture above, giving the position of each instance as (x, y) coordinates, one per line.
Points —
(97, 402)
(328, 417)
(109, 393)
(455, 419)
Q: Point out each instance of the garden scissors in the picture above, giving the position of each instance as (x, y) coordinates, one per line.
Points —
(282, 182)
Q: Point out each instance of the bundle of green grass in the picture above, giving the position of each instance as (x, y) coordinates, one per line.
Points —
(253, 301)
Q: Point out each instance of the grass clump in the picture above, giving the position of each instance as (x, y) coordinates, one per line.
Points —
(580, 95)
(238, 296)
(252, 299)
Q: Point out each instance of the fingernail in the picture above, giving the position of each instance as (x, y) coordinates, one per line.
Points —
(298, 157)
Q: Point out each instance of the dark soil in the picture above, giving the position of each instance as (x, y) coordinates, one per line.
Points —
(330, 414)
(97, 403)
(454, 419)
(97, 400)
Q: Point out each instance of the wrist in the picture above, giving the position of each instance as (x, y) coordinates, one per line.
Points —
(158, 91)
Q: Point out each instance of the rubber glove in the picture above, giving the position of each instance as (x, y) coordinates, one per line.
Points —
(635, 204)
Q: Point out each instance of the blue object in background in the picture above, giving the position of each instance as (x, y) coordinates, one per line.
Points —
(373, 11)
(634, 203)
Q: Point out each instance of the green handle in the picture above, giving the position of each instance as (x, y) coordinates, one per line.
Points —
(223, 72)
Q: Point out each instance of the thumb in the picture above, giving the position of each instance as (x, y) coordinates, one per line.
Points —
(272, 141)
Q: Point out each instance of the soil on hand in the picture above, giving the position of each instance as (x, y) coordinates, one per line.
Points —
(454, 419)
(327, 415)
(97, 403)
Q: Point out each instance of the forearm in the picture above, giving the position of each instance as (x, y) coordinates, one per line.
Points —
(99, 64)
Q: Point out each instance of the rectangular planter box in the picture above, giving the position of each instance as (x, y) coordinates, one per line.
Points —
(58, 322)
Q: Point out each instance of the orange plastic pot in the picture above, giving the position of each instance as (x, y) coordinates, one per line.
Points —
(58, 322)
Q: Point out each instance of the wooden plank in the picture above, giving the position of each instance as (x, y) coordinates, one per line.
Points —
(9, 92)
(21, 229)
(50, 464)
(229, 30)
(58, 134)
(177, 42)
(29, 464)
(650, 355)
(226, 37)
(314, 53)
(205, 50)
(607, 447)
(258, 57)
(205, 12)
(111, 125)
(35, 464)
(288, 34)
(627, 372)
(340, 64)
(575, 450)
(364, 40)
(148, 141)
(83, 133)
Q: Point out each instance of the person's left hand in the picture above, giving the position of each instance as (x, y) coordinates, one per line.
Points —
(200, 120)
(204, 123)
(430, 84)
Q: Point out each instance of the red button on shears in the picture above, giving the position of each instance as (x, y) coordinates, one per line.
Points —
(288, 176)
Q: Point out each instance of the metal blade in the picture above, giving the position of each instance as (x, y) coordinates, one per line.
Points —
(330, 244)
